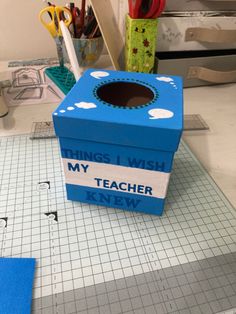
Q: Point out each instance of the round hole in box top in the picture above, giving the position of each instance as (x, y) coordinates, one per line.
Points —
(125, 94)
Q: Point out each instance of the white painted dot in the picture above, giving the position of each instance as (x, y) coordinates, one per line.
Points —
(70, 108)
(62, 111)
(55, 113)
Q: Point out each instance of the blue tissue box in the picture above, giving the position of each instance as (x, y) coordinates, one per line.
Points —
(118, 132)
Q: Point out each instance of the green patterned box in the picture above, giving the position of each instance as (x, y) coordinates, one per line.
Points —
(140, 44)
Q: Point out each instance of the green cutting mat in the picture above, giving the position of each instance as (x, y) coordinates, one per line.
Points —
(93, 259)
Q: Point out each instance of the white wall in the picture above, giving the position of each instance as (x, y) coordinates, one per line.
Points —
(22, 36)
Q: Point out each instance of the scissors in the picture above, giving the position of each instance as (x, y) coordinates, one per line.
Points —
(56, 14)
(144, 9)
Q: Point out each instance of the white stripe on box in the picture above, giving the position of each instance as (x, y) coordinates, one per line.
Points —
(154, 183)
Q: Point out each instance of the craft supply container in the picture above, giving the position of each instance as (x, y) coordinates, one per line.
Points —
(118, 133)
(87, 50)
(140, 44)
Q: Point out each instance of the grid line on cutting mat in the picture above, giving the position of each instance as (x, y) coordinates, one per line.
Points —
(79, 245)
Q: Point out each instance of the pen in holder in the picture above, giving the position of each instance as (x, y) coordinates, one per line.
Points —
(140, 44)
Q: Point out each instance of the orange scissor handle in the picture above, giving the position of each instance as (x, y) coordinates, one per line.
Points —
(56, 14)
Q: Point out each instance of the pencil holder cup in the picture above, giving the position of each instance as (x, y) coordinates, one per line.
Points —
(87, 50)
(140, 44)
(118, 134)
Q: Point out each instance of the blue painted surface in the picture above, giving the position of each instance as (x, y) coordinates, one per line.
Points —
(143, 137)
(107, 153)
(16, 283)
(131, 202)
(130, 127)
